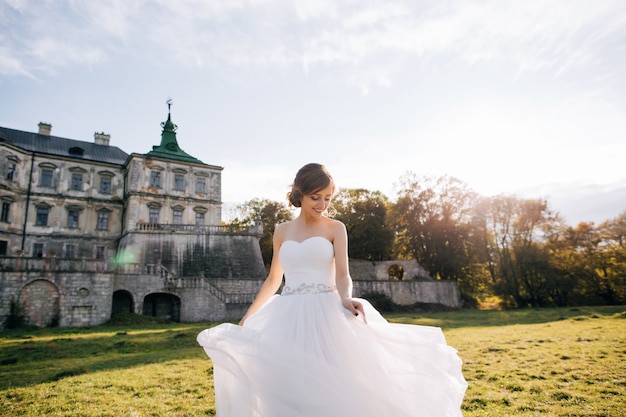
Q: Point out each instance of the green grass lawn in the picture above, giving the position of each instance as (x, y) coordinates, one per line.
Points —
(535, 362)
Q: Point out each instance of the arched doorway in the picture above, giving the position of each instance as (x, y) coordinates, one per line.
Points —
(122, 302)
(162, 305)
(40, 300)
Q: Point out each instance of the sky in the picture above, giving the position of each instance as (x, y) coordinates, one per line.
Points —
(524, 98)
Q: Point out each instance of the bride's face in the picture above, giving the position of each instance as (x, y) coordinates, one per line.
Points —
(318, 202)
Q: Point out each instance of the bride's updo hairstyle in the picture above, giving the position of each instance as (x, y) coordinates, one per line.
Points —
(310, 179)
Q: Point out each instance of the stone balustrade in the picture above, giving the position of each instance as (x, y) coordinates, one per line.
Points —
(201, 229)
(142, 269)
(27, 264)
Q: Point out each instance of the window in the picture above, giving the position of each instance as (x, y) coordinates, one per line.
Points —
(6, 207)
(100, 251)
(199, 218)
(76, 150)
(103, 221)
(179, 182)
(10, 171)
(72, 218)
(105, 185)
(38, 250)
(155, 179)
(70, 251)
(77, 182)
(106, 181)
(42, 216)
(154, 215)
(178, 217)
(4, 245)
(46, 178)
(201, 185)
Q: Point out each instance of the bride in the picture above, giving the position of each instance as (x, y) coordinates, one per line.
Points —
(316, 351)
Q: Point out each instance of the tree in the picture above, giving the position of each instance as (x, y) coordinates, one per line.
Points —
(432, 219)
(563, 286)
(599, 265)
(364, 213)
(270, 213)
(518, 260)
(614, 235)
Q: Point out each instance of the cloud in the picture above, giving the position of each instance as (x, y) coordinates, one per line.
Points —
(583, 201)
(315, 9)
(532, 35)
(42, 38)
(11, 64)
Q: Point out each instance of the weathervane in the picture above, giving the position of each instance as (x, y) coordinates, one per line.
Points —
(172, 126)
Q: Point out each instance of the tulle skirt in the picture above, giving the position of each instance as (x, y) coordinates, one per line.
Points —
(307, 356)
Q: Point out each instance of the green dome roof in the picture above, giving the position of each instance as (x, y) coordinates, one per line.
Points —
(169, 145)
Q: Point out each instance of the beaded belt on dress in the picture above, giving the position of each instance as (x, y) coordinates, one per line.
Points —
(308, 289)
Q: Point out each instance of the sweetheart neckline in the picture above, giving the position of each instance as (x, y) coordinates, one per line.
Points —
(308, 238)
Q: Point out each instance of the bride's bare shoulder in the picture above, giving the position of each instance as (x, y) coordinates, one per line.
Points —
(281, 225)
(281, 228)
(336, 223)
(336, 227)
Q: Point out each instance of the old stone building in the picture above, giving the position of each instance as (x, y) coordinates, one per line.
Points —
(60, 197)
(87, 231)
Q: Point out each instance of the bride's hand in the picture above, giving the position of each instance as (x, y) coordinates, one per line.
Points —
(354, 307)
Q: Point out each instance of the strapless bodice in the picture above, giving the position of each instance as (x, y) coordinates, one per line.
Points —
(308, 265)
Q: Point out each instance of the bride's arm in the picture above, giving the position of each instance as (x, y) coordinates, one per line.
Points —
(342, 272)
(273, 280)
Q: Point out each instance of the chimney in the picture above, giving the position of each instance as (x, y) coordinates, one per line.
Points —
(44, 128)
(101, 138)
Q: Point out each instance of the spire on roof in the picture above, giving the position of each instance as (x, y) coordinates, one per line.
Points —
(169, 145)
(168, 136)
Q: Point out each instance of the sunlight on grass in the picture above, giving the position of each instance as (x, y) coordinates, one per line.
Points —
(535, 362)
(546, 362)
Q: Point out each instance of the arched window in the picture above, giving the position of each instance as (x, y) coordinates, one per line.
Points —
(396, 272)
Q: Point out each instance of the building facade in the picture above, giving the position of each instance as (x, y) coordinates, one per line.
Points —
(60, 198)
(87, 231)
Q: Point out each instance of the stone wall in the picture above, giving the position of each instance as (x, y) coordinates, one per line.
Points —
(187, 253)
(57, 298)
(445, 293)
(415, 286)
(379, 270)
(198, 302)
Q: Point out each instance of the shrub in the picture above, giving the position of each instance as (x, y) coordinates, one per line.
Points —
(16, 317)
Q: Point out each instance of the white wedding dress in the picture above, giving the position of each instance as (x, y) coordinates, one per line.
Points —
(303, 355)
